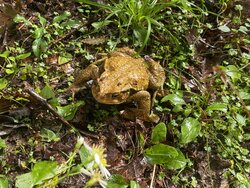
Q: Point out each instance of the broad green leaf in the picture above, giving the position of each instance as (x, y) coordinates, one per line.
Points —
(117, 181)
(240, 119)
(44, 45)
(238, 7)
(217, 107)
(38, 46)
(243, 179)
(159, 133)
(61, 17)
(3, 83)
(71, 24)
(187, 111)
(247, 136)
(43, 170)
(10, 66)
(2, 144)
(68, 112)
(42, 20)
(245, 57)
(176, 163)
(174, 99)
(244, 95)
(243, 29)
(64, 58)
(12, 58)
(21, 19)
(177, 108)
(5, 54)
(99, 25)
(48, 135)
(4, 182)
(224, 29)
(190, 129)
(47, 92)
(160, 154)
(233, 72)
(54, 102)
(24, 181)
(134, 184)
(23, 56)
(84, 155)
(38, 33)
(9, 71)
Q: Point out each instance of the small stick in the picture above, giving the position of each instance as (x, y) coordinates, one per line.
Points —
(153, 177)
(44, 102)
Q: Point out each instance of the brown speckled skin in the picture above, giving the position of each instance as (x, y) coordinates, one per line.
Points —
(123, 78)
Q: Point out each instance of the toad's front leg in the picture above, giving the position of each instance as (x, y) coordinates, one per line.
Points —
(143, 100)
(89, 73)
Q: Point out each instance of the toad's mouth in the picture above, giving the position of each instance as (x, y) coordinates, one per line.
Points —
(116, 95)
(110, 98)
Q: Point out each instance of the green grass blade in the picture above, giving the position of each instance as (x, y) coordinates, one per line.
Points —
(94, 4)
(149, 28)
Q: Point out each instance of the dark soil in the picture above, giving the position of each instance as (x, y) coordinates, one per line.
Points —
(119, 136)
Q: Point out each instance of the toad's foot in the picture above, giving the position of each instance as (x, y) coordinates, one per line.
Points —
(134, 114)
(143, 100)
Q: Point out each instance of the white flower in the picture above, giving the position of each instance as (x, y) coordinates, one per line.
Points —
(87, 147)
(103, 170)
(80, 142)
(85, 171)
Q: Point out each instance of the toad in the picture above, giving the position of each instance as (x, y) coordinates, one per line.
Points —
(123, 78)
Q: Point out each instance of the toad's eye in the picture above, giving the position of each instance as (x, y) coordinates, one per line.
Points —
(119, 83)
(135, 83)
(114, 95)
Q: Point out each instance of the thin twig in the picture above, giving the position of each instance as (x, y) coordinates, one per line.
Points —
(153, 177)
(44, 103)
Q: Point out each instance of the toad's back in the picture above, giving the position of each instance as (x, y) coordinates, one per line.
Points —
(122, 74)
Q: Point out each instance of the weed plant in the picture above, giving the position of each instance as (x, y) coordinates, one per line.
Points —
(218, 115)
(140, 18)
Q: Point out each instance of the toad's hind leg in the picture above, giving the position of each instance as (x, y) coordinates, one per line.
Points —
(143, 100)
(156, 74)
